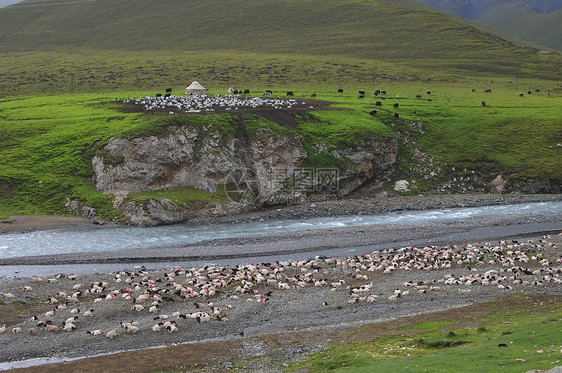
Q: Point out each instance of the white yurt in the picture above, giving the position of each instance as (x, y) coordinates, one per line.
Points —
(195, 89)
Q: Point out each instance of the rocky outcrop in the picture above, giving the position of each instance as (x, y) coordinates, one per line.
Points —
(256, 166)
(199, 158)
(370, 159)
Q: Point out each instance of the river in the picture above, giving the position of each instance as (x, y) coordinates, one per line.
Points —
(97, 239)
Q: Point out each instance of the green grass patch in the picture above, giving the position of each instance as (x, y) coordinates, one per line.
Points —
(47, 142)
(495, 347)
(429, 326)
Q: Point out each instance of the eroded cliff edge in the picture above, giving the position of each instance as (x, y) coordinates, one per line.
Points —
(245, 169)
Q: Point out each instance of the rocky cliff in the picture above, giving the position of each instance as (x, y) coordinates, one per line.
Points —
(256, 166)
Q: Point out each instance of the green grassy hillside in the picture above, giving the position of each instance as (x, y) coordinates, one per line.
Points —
(47, 142)
(535, 21)
(543, 29)
(108, 45)
(357, 28)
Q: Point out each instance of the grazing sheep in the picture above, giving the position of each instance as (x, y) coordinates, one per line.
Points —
(111, 334)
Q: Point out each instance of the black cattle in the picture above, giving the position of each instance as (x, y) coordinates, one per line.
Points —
(267, 93)
(290, 93)
(429, 100)
(167, 95)
(383, 92)
(168, 90)
(396, 105)
(376, 93)
(396, 115)
(488, 90)
(159, 95)
(483, 103)
(373, 112)
(537, 90)
(313, 94)
(378, 103)
(473, 89)
(361, 92)
(418, 96)
(246, 91)
(529, 92)
(428, 92)
(521, 94)
(340, 90)
(235, 92)
(414, 112)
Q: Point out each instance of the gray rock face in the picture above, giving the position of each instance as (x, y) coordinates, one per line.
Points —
(205, 159)
(371, 158)
(187, 157)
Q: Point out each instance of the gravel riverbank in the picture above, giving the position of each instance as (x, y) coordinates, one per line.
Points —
(267, 309)
(264, 308)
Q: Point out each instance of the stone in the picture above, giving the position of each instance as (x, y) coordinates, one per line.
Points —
(402, 186)
(498, 183)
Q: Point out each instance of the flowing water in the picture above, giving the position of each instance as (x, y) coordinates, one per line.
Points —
(63, 241)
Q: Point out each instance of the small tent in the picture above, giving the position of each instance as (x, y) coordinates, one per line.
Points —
(195, 89)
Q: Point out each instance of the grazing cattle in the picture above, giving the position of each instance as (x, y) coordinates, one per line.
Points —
(313, 94)
(537, 90)
(361, 92)
(383, 92)
(414, 112)
(428, 93)
(378, 103)
(488, 90)
(246, 91)
(267, 94)
(376, 93)
(290, 93)
(418, 96)
(168, 90)
(483, 103)
(361, 96)
(159, 95)
(396, 105)
(429, 100)
(373, 112)
(529, 92)
(521, 94)
(340, 90)
(396, 115)
(167, 95)
(235, 91)
(473, 89)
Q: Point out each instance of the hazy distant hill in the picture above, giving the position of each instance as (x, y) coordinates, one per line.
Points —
(4, 3)
(538, 21)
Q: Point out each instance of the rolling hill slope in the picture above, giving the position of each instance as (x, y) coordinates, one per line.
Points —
(358, 28)
(117, 44)
(537, 21)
